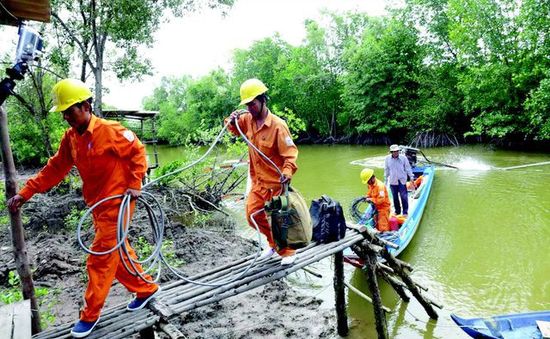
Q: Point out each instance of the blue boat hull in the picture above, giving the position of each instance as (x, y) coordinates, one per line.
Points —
(403, 237)
(417, 203)
(511, 326)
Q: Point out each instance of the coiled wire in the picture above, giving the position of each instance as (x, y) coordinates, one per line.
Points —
(157, 220)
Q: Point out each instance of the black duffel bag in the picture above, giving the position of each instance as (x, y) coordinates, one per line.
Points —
(328, 220)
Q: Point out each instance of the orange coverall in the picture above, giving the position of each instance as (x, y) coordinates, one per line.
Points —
(274, 140)
(110, 159)
(379, 196)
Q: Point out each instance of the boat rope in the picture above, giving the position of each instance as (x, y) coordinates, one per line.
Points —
(354, 209)
(157, 219)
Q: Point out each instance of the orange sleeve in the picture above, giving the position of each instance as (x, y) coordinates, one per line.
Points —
(242, 124)
(55, 170)
(129, 148)
(378, 195)
(287, 150)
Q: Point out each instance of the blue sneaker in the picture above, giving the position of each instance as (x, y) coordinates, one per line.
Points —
(82, 328)
(139, 303)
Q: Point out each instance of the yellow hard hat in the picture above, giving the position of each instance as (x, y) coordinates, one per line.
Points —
(366, 174)
(250, 89)
(68, 92)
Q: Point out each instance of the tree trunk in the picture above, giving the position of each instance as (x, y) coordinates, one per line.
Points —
(333, 124)
(17, 232)
(83, 67)
(98, 100)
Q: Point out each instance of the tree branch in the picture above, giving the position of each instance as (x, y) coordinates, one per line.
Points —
(78, 42)
(25, 103)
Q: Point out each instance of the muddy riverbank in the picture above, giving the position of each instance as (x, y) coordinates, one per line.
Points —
(196, 243)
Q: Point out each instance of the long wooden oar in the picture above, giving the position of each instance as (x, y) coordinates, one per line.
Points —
(435, 162)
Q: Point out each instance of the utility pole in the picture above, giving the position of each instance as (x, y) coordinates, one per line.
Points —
(17, 231)
(29, 48)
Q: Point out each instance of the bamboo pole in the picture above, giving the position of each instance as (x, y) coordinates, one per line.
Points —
(385, 267)
(389, 271)
(370, 235)
(379, 315)
(17, 231)
(270, 267)
(396, 286)
(236, 267)
(116, 323)
(410, 284)
(258, 279)
(364, 296)
(312, 272)
(340, 294)
(111, 321)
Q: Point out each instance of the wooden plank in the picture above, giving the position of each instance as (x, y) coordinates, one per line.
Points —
(22, 320)
(6, 319)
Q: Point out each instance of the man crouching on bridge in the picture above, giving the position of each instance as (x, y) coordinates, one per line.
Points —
(111, 161)
(270, 134)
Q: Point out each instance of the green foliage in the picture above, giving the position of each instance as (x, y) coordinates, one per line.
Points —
(263, 61)
(381, 86)
(181, 176)
(476, 68)
(295, 124)
(439, 103)
(144, 249)
(73, 218)
(192, 111)
(495, 54)
(125, 25)
(34, 132)
(13, 294)
(460, 67)
(4, 216)
(537, 106)
(70, 183)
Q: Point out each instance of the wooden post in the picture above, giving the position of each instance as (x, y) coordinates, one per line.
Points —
(379, 314)
(340, 294)
(395, 286)
(17, 232)
(410, 284)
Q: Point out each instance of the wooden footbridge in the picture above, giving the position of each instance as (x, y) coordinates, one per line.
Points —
(179, 296)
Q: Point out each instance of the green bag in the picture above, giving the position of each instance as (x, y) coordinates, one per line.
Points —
(290, 220)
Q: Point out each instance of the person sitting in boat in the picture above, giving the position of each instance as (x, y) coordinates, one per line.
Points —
(378, 195)
(396, 171)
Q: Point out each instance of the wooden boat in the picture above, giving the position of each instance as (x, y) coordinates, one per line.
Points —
(417, 203)
(511, 326)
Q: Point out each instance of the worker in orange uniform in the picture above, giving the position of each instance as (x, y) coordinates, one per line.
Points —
(111, 161)
(378, 195)
(271, 136)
